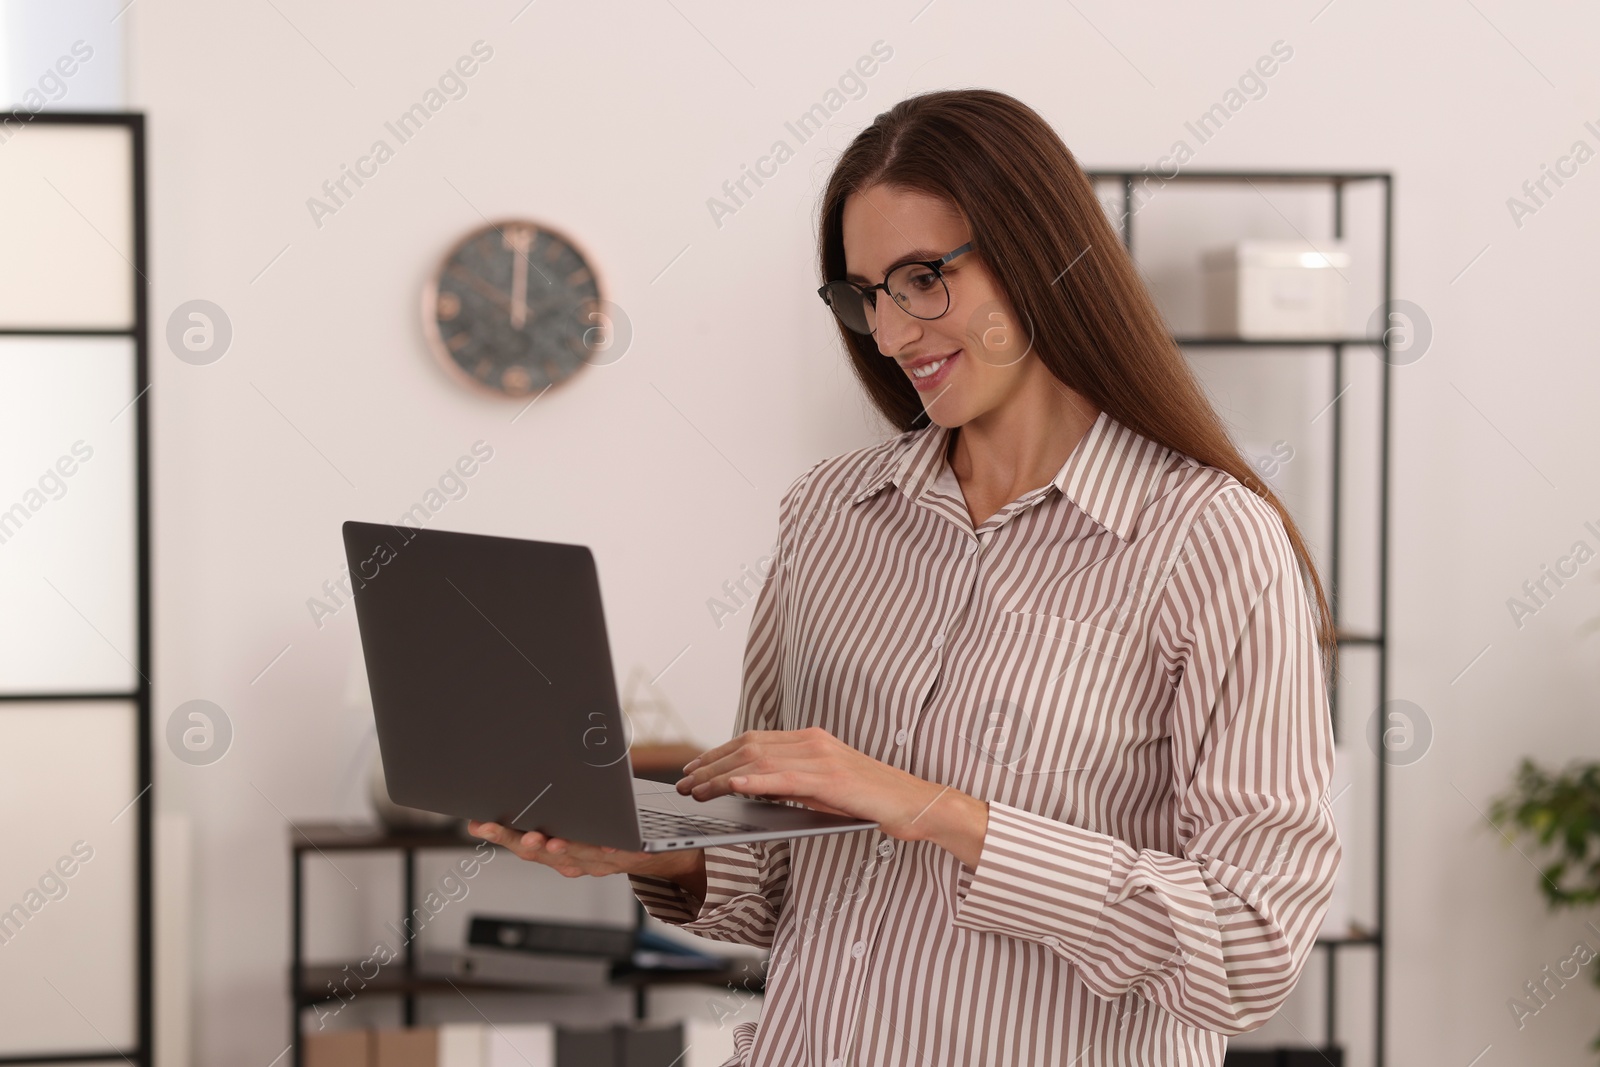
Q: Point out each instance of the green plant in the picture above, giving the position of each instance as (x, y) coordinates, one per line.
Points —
(1560, 813)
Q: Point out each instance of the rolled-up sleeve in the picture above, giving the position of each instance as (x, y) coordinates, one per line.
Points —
(1218, 933)
(744, 893)
(745, 884)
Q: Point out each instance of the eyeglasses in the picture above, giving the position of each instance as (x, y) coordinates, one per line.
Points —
(917, 287)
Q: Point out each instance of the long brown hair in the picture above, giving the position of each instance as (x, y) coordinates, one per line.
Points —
(1033, 212)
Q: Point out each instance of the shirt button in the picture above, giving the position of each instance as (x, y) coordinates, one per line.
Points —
(885, 848)
(938, 639)
(900, 738)
(858, 948)
(972, 546)
(836, 1062)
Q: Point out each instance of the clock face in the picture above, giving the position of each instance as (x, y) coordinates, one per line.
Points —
(514, 307)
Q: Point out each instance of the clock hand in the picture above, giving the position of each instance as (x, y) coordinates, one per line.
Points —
(518, 241)
(519, 291)
(480, 285)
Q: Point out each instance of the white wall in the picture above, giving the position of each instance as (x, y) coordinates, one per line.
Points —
(615, 122)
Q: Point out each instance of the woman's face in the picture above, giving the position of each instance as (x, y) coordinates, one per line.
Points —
(983, 353)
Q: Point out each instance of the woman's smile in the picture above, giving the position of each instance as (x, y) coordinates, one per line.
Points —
(929, 374)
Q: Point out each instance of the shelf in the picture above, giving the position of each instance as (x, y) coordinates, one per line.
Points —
(1269, 177)
(745, 973)
(371, 837)
(1276, 342)
(1357, 937)
(1369, 941)
(395, 979)
(364, 837)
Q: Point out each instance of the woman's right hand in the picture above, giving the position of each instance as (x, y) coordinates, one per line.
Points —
(575, 859)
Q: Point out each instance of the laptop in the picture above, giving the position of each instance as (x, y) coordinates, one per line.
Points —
(495, 699)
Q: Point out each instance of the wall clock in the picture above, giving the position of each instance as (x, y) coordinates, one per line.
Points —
(514, 307)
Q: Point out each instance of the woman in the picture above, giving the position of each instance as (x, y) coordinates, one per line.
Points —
(1052, 637)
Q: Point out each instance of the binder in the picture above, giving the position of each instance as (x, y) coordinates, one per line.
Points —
(530, 935)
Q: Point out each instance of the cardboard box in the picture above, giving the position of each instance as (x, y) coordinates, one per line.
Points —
(344, 1048)
(416, 1046)
(1267, 289)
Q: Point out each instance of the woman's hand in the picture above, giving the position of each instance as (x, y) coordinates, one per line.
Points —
(574, 859)
(822, 772)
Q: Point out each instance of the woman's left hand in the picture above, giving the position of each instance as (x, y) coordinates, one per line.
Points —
(822, 772)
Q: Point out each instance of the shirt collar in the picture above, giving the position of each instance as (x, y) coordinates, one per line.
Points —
(1109, 474)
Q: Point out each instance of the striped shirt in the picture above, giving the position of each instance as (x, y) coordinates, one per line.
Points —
(1123, 664)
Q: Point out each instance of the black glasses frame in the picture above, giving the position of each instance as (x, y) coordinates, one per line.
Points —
(869, 292)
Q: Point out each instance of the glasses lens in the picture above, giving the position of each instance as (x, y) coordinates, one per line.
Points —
(850, 305)
(919, 290)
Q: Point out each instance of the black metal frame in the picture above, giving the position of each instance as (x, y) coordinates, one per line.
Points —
(1338, 180)
(142, 1054)
(399, 978)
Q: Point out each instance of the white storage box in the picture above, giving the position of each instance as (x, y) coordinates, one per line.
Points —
(1264, 289)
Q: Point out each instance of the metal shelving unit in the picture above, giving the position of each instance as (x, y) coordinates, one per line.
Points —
(308, 983)
(1338, 181)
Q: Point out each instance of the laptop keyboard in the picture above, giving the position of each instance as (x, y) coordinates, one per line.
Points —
(657, 824)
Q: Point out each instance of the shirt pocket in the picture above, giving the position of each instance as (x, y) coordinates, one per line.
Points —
(1043, 724)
